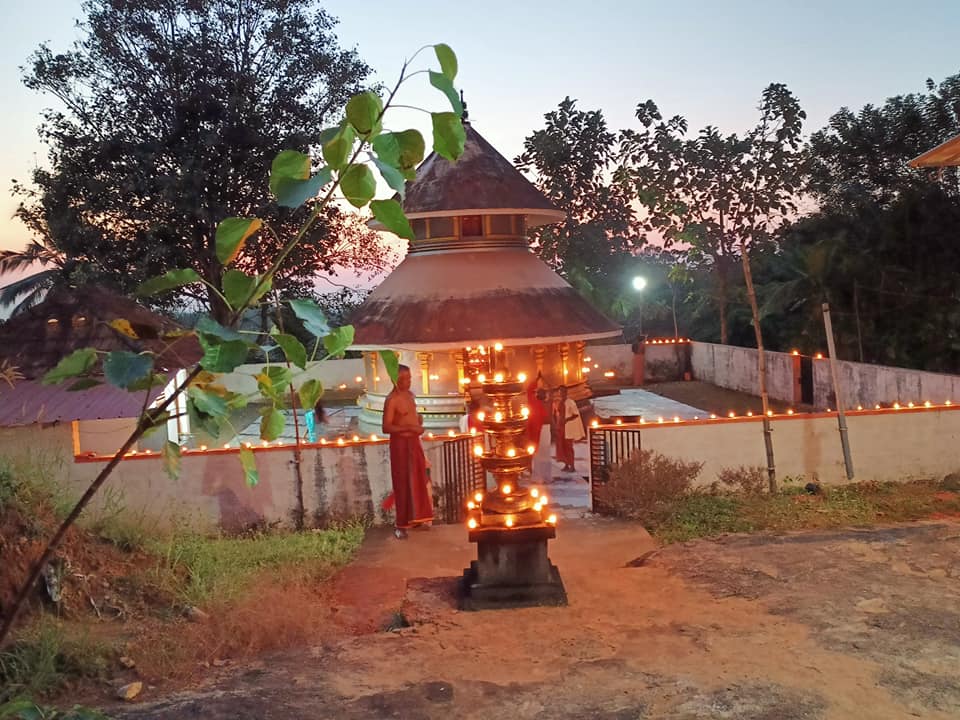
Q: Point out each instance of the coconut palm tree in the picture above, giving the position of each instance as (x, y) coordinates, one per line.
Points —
(26, 292)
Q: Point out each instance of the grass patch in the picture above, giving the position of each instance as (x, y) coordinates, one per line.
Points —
(698, 514)
(220, 568)
(46, 656)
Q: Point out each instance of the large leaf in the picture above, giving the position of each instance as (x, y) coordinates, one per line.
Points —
(289, 165)
(310, 393)
(76, 363)
(241, 289)
(171, 459)
(311, 316)
(391, 361)
(248, 462)
(392, 175)
(294, 193)
(123, 368)
(412, 148)
(337, 150)
(338, 340)
(232, 235)
(448, 135)
(444, 85)
(363, 112)
(168, 281)
(390, 213)
(222, 355)
(272, 424)
(207, 402)
(273, 380)
(448, 61)
(403, 149)
(293, 349)
(290, 179)
(210, 424)
(209, 326)
(358, 185)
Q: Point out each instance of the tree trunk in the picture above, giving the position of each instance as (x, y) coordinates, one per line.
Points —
(722, 299)
(676, 329)
(761, 367)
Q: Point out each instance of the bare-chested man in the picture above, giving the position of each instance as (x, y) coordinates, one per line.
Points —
(403, 424)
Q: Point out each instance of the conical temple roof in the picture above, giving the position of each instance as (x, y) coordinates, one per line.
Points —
(448, 300)
(450, 293)
(482, 181)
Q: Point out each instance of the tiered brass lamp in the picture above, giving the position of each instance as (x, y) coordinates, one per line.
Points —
(512, 523)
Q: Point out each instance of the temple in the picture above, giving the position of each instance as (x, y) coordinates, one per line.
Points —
(470, 296)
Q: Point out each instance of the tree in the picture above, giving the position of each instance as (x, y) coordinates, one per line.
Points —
(295, 180)
(860, 159)
(890, 274)
(26, 292)
(572, 159)
(169, 112)
(719, 194)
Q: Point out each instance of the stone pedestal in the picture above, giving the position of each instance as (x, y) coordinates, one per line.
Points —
(512, 569)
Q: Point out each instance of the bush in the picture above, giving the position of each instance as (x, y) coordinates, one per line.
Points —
(747, 480)
(646, 486)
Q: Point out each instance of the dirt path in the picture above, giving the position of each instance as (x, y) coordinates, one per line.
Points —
(848, 624)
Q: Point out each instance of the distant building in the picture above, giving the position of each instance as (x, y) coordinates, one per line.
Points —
(101, 416)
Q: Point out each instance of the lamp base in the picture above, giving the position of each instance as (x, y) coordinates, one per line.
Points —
(512, 570)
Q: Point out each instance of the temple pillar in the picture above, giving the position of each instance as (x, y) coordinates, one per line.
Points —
(578, 359)
(564, 363)
(370, 360)
(424, 359)
(457, 357)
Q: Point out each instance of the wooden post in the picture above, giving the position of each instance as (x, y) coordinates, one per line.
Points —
(841, 418)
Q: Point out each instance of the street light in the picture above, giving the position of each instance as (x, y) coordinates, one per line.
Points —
(639, 283)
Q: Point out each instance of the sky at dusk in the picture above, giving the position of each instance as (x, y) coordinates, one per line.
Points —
(705, 60)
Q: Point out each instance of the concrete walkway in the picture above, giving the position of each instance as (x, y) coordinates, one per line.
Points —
(633, 402)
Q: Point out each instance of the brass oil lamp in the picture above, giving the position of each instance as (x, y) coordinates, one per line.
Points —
(511, 523)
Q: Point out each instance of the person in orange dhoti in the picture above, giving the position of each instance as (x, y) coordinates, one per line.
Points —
(408, 468)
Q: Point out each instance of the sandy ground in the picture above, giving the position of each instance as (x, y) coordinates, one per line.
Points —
(845, 624)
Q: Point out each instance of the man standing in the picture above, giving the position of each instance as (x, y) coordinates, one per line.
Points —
(572, 430)
(407, 463)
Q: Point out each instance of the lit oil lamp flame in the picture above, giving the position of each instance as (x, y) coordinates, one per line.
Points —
(471, 523)
(511, 452)
(471, 505)
(509, 521)
(498, 416)
(481, 416)
(543, 500)
(498, 378)
(478, 450)
(498, 347)
(525, 411)
(531, 449)
(534, 492)
(478, 497)
(552, 519)
(522, 377)
(506, 489)
(481, 378)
